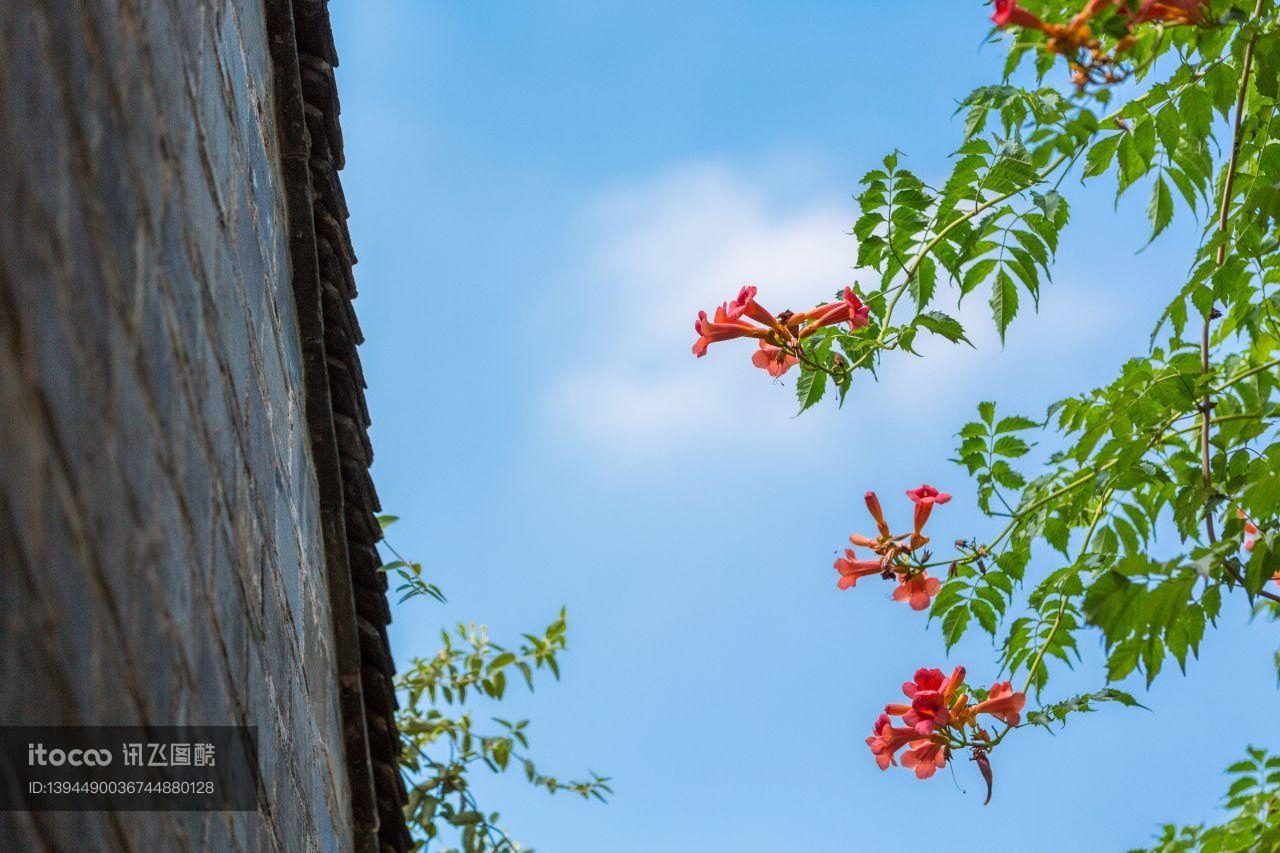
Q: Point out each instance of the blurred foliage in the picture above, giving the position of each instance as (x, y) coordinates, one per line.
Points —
(443, 749)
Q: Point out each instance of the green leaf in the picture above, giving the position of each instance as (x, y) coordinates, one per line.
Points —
(987, 617)
(924, 282)
(1010, 446)
(1099, 158)
(1263, 564)
(1152, 657)
(954, 624)
(1169, 127)
(1122, 661)
(976, 275)
(1013, 423)
(1196, 109)
(1050, 203)
(944, 325)
(504, 659)
(1160, 208)
(1004, 302)
(810, 388)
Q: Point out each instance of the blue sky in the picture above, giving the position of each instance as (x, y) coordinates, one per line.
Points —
(543, 196)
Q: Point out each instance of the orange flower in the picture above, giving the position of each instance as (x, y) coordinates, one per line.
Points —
(926, 757)
(721, 328)
(745, 304)
(779, 335)
(877, 513)
(917, 590)
(1001, 703)
(851, 568)
(849, 309)
(886, 740)
(938, 719)
(914, 584)
(931, 698)
(924, 498)
(774, 360)
(953, 683)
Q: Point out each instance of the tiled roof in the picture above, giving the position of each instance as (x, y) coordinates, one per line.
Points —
(338, 419)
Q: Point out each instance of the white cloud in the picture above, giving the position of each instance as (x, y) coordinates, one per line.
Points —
(661, 251)
(667, 249)
(690, 239)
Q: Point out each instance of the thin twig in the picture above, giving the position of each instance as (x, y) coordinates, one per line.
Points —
(1224, 216)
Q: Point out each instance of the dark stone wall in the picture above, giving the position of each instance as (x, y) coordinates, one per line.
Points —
(162, 551)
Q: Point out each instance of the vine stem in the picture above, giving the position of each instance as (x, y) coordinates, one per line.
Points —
(1062, 598)
(1044, 647)
(1224, 216)
(1245, 374)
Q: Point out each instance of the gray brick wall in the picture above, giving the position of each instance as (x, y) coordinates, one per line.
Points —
(161, 551)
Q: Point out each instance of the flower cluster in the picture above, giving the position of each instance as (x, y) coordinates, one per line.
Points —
(938, 720)
(894, 552)
(780, 336)
(1076, 40)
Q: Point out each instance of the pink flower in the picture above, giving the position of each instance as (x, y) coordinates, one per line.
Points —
(917, 590)
(851, 568)
(728, 323)
(886, 740)
(931, 697)
(745, 303)
(924, 498)
(934, 704)
(1002, 703)
(926, 756)
(775, 360)
(721, 328)
(1009, 14)
(927, 712)
(927, 495)
(849, 309)
(925, 680)
(738, 307)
